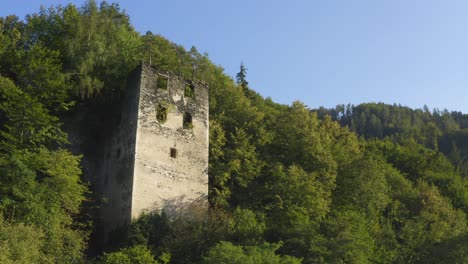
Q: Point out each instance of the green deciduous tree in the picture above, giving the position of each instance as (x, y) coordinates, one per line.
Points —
(41, 183)
(20, 243)
(227, 253)
(133, 255)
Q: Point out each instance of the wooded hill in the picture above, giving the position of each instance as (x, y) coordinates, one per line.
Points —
(442, 131)
(372, 183)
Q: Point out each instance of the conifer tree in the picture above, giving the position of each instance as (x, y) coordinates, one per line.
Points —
(240, 77)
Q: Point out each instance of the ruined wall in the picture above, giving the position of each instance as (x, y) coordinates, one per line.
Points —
(162, 179)
(106, 134)
(116, 173)
(128, 158)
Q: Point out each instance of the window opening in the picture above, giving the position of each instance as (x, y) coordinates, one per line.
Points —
(161, 113)
(161, 82)
(189, 90)
(187, 121)
(173, 153)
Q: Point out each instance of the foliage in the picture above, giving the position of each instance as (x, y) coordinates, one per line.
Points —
(20, 243)
(97, 45)
(227, 253)
(134, 255)
(372, 183)
(240, 77)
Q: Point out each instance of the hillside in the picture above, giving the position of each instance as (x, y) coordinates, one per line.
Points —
(442, 131)
(372, 183)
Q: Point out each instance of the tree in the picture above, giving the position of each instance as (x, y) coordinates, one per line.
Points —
(240, 77)
(97, 44)
(40, 182)
(20, 243)
(348, 238)
(246, 227)
(133, 255)
(228, 253)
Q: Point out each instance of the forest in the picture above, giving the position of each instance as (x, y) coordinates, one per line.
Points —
(372, 183)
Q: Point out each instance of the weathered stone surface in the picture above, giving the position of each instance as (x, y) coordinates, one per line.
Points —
(161, 181)
(127, 151)
(138, 174)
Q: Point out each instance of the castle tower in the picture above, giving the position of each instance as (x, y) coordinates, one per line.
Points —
(158, 157)
(171, 161)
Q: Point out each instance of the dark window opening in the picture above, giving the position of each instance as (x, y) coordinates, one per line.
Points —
(119, 151)
(188, 121)
(161, 113)
(189, 91)
(173, 153)
(161, 82)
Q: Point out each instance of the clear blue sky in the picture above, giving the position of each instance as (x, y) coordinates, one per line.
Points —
(323, 52)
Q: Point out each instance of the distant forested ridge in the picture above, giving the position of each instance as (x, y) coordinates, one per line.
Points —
(442, 131)
(372, 183)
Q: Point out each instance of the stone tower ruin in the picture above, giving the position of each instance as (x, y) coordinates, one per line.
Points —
(157, 158)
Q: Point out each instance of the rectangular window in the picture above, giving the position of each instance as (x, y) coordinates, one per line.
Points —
(187, 121)
(161, 113)
(173, 153)
(161, 82)
(189, 90)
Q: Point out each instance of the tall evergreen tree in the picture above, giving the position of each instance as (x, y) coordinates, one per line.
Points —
(240, 77)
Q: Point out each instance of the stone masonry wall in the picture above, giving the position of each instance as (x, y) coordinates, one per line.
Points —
(128, 159)
(117, 170)
(159, 180)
